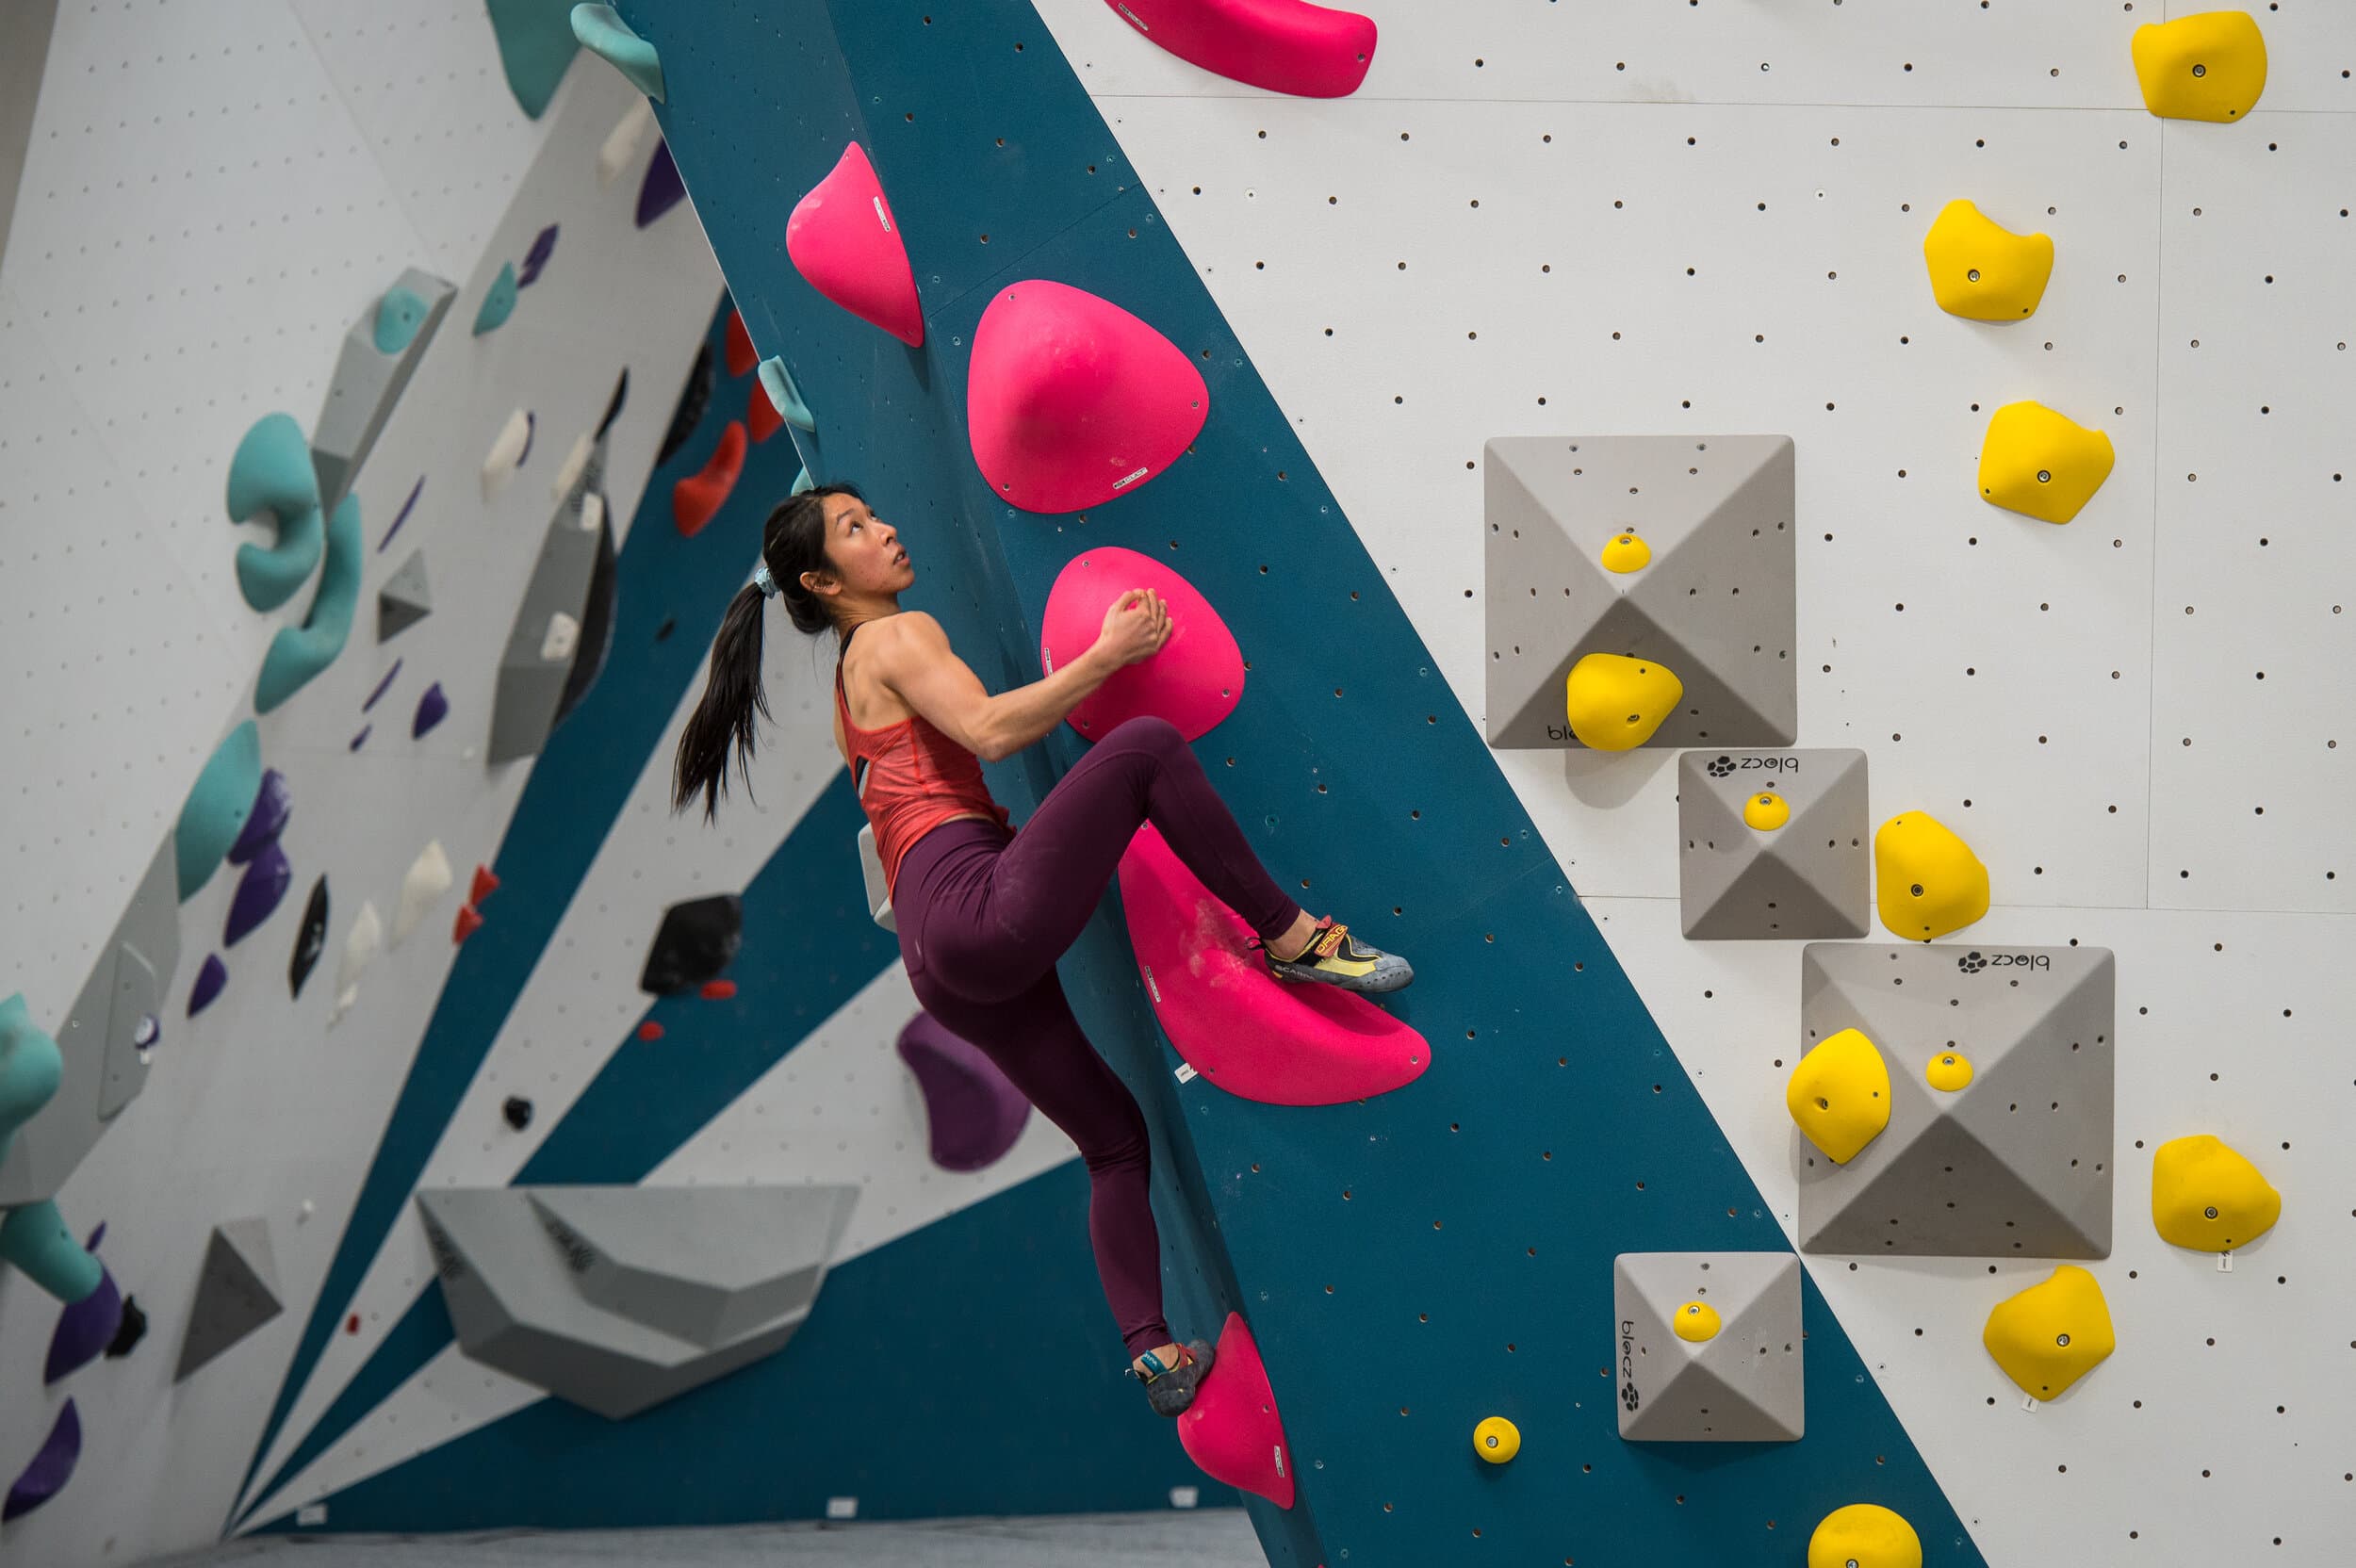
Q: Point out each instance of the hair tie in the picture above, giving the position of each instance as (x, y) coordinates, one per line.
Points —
(762, 581)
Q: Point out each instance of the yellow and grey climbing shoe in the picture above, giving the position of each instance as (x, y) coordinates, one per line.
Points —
(1170, 1389)
(1334, 957)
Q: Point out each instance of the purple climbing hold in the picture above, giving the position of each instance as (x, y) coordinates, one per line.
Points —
(357, 741)
(51, 1467)
(382, 687)
(661, 189)
(258, 892)
(85, 1328)
(974, 1113)
(210, 978)
(531, 423)
(542, 247)
(432, 708)
(272, 803)
(414, 491)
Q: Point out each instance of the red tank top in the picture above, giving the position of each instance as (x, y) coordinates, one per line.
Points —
(910, 779)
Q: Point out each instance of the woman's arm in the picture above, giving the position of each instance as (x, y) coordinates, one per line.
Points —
(920, 665)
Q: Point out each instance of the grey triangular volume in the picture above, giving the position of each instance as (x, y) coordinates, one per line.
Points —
(405, 599)
(1805, 878)
(1742, 1382)
(236, 1294)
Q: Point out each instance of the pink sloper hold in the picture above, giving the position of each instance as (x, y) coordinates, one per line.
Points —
(844, 242)
(1194, 682)
(1071, 400)
(1279, 1042)
(1282, 45)
(1233, 1430)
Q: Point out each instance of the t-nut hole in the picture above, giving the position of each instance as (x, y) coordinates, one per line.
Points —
(2200, 70)
(1917, 889)
(2044, 476)
(1974, 275)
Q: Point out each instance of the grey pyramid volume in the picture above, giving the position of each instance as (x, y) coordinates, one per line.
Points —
(367, 383)
(1808, 876)
(236, 1294)
(1715, 604)
(1734, 1378)
(2017, 1163)
(617, 1299)
(405, 599)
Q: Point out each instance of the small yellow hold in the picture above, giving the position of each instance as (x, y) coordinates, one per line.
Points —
(2207, 1196)
(1766, 810)
(1864, 1535)
(2210, 66)
(1614, 703)
(2051, 1334)
(1626, 553)
(1926, 880)
(2041, 464)
(1840, 1095)
(1982, 270)
(1497, 1440)
(1949, 1070)
(1696, 1322)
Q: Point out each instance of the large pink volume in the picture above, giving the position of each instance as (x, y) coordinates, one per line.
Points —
(1195, 681)
(1233, 1430)
(1071, 400)
(1278, 1042)
(843, 240)
(1282, 45)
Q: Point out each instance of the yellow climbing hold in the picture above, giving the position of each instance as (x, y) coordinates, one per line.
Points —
(1864, 1535)
(2051, 1334)
(1696, 1322)
(1766, 810)
(1949, 1070)
(2207, 1196)
(1614, 703)
(1982, 270)
(1626, 553)
(2041, 464)
(2210, 66)
(1497, 1440)
(1926, 880)
(1840, 1095)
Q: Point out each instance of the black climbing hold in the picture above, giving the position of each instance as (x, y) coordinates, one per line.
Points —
(517, 1111)
(133, 1329)
(693, 399)
(662, 633)
(311, 941)
(693, 943)
(614, 405)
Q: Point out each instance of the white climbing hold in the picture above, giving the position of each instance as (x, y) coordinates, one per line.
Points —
(499, 464)
(366, 937)
(429, 878)
(569, 474)
(564, 635)
(623, 141)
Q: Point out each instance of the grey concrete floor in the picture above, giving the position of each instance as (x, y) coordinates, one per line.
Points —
(1211, 1537)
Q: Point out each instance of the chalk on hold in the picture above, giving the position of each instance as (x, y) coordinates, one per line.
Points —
(786, 397)
(298, 654)
(1615, 703)
(507, 450)
(217, 807)
(973, 1114)
(1071, 400)
(52, 1466)
(1497, 1440)
(1864, 1535)
(405, 599)
(2207, 1196)
(2040, 463)
(1195, 680)
(736, 341)
(265, 882)
(2050, 1336)
(361, 945)
(694, 941)
(697, 499)
(661, 189)
(604, 34)
(1282, 45)
(427, 879)
(1982, 270)
(844, 242)
(1838, 1094)
(1926, 880)
(622, 142)
(273, 803)
(1233, 1430)
(34, 1237)
(2208, 66)
(270, 471)
(211, 976)
(1624, 553)
(310, 938)
(31, 1067)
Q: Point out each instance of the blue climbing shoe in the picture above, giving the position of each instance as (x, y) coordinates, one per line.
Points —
(1170, 1389)
(1334, 957)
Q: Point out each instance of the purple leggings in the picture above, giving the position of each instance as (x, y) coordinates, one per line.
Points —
(983, 917)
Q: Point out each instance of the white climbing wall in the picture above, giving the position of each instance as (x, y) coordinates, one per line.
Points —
(1571, 219)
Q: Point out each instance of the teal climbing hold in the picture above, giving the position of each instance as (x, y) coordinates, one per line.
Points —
(784, 396)
(35, 1238)
(603, 33)
(30, 1069)
(216, 806)
(536, 43)
(499, 303)
(298, 653)
(398, 314)
(271, 471)
(802, 481)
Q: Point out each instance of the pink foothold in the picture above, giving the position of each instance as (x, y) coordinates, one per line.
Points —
(1071, 400)
(1276, 1041)
(843, 240)
(1233, 1430)
(1194, 682)
(1282, 45)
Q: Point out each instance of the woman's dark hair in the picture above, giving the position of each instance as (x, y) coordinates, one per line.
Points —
(793, 541)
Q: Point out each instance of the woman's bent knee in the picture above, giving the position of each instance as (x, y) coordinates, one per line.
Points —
(1145, 732)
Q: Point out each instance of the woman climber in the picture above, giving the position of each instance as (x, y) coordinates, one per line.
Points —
(984, 911)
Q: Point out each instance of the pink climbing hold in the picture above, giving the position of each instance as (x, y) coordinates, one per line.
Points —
(844, 242)
(1276, 1041)
(695, 499)
(1194, 682)
(1071, 400)
(1282, 45)
(1233, 1430)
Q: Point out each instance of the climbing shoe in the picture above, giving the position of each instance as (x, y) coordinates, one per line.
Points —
(1170, 1389)
(1334, 957)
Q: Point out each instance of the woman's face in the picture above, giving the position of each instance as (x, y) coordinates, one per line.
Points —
(866, 551)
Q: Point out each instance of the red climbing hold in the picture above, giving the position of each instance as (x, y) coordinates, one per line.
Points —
(1196, 679)
(486, 884)
(718, 991)
(740, 346)
(841, 238)
(1282, 45)
(1233, 1430)
(351, 1324)
(695, 499)
(466, 924)
(761, 417)
(1276, 1041)
(650, 1030)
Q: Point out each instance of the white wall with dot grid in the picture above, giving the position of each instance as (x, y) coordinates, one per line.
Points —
(1618, 218)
